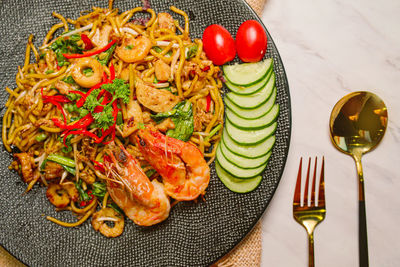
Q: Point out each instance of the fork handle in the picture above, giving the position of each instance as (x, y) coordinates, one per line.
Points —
(311, 249)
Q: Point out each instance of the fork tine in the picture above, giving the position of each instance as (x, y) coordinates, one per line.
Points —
(305, 200)
(296, 198)
(321, 193)
(313, 201)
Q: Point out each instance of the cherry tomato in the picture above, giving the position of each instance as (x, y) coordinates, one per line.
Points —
(251, 41)
(218, 44)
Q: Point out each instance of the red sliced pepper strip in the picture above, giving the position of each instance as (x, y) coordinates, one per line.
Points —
(55, 100)
(206, 68)
(82, 101)
(84, 203)
(59, 107)
(99, 166)
(208, 104)
(112, 72)
(85, 132)
(105, 78)
(106, 133)
(77, 92)
(82, 123)
(52, 98)
(92, 53)
(88, 43)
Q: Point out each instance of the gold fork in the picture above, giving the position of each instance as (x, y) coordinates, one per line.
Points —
(310, 214)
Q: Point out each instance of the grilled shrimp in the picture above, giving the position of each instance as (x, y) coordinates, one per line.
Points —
(101, 37)
(134, 49)
(144, 202)
(184, 171)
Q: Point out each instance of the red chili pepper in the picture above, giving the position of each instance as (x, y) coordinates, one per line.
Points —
(208, 104)
(92, 53)
(88, 43)
(115, 111)
(82, 101)
(82, 123)
(112, 72)
(106, 133)
(55, 100)
(77, 92)
(52, 98)
(106, 158)
(85, 132)
(206, 68)
(59, 107)
(84, 203)
(99, 166)
(105, 78)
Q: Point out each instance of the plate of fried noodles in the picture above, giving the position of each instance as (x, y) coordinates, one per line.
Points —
(111, 116)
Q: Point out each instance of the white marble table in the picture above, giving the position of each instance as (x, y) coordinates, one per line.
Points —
(329, 49)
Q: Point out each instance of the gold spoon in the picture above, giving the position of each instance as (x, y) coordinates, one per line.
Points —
(357, 124)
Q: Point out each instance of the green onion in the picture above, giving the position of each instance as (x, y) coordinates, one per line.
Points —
(41, 137)
(157, 49)
(61, 160)
(213, 132)
(83, 195)
(99, 189)
(69, 169)
(49, 71)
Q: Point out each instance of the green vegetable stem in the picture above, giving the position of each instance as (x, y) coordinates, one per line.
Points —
(182, 117)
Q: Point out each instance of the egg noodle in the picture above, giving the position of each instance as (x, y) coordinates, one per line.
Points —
(108, 76)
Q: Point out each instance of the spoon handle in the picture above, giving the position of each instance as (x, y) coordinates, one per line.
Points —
(362, 220)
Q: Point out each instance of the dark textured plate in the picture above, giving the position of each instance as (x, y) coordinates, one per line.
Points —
(195, 234)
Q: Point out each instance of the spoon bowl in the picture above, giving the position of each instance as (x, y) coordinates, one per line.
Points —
(357, 124)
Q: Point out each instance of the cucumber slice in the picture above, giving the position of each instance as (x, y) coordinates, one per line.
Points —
(254, 100)
(253, 151)
(242, 162)
(235, 170)
(259, 123)
(242, 90)
(251, 137)
(252, 113)
(237, 185)
(247, 74)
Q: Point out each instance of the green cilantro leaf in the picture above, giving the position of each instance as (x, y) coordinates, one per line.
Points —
(91, 100)
(119, 89)
(105, 118)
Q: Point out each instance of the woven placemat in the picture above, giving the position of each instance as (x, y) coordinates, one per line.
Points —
(246, 254)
